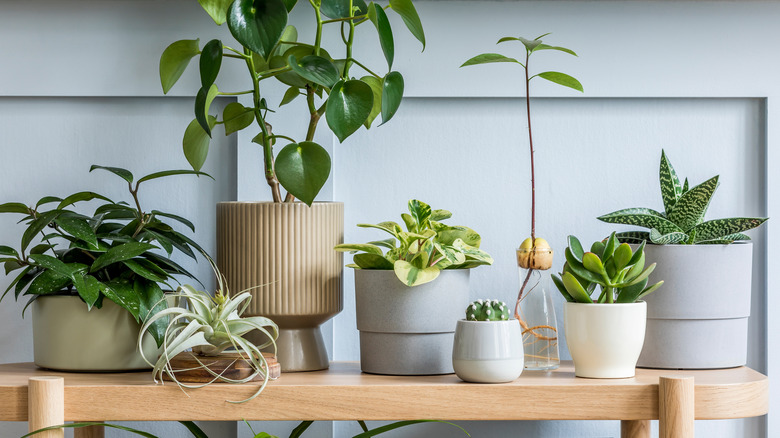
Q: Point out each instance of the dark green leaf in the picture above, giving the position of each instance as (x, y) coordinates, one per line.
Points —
(302, 169)
(315, 69)
(184, 221)
(169, 265)
(196, 143)
(81, 197)
(48, 282)
(210, 62)
(633, 236)
(408, 13)
(670, 183)
(125, 251)
(290, 95)
(643, 217)
(165, 173)
(506, 39)
(88, 288)
(48, 200)
(11, 266)
(667, 239)
(376, 89)
(16, 281)
(348, 107)
(175, 60)
(122, 173)
(122, 293)
(37, 225)
(8, 251)
(77, 228)
(378, 17)
(257, 24)
(340, 8)
(202, 104)
(561, 79)
(237, 117)
(300, 428)
(691, 206)
(144, 272)
(217, 9)
(151, 301)
(724, 228)
(196, 431)
(392, 93)
(29, 275)
(398, 424)
(14, 207)
(487, 58)
(631, 293)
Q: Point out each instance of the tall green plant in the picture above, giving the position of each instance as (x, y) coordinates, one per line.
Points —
(682, 221)
(270, 49)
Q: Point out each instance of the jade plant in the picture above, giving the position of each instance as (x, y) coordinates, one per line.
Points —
(111, 254)
(418, 254)
(615, 267)
(487, 310)
(328, 80)
(682, 221)
(209, 325)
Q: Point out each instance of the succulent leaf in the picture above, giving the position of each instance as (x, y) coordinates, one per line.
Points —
(487, 310)
(670, 183)
(576, 248)
(609, 247)
(562, 289)
(575, 288)
(643, 217)
(721, 228)
(622, 256)
(579, 269)
(631, 293)
(670, 238)
(633, 236)
(691, 206)
(650, 289)
(592, 263)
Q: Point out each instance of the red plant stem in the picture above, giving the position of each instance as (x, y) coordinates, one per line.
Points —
(531, 144)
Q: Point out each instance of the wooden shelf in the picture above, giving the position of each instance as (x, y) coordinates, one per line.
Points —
(344, 393)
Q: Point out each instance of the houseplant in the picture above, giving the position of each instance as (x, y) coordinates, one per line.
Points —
(287, 243)
(209, 326)
(534, 256)
(69, 263)
(605, 334)
(395, 291)
(701, 321)
(488, 344)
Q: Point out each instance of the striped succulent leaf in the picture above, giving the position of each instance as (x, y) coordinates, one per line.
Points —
(685, 186)
(723, 229)
(666, 239)
(691, 206)
(633, 236)
(643, 217)
(670, 183)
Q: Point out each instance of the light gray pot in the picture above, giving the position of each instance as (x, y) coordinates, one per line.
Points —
(408, 330)
(699, 318)
(67, 337)
(488, 351)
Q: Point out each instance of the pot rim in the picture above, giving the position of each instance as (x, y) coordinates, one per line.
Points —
(640, 302)
(282, 203)
(466, 321)
(678, 245)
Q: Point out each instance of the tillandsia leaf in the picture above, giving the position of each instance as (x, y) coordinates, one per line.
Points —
(174, 60)
(340, 8)
(392, 94)
(399, 424)
(487, 58)
(355, 247)
(92, 423)
(667, 239)
(210, 62)
(203, 101)
(562, 289)
(302, 169)
(316, 69)
(643, 217)
(631, 293)
(561, 79)
(691, 206)
(411, 19)
(575, 289)
(376, 107)
(196, 143)
(372, 261)
(378, 17)
(721, 228)
(217, 9)
(257, 24)
(411, 275)
(349, 105)
(670, 183)
(237, 117)
(633, 236)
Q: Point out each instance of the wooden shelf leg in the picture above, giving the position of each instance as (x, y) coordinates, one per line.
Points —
(46, 405)
(635, 429)
(676, 407)
(90, 432)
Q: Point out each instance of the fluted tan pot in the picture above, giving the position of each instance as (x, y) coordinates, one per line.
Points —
(284, 253)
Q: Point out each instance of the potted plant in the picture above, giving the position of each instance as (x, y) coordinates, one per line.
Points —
(488, 344)
(91, 280)
(605, 334)
(283, 243)
(406, 319)
(534, 311)
(701, 321)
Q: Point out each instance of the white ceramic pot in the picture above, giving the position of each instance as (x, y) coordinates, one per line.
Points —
(605, 339)
(488, 351)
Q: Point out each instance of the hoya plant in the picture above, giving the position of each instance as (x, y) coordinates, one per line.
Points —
(682, 221)
(121, 252)
(334, 84)
(418, 254)
(617, 270)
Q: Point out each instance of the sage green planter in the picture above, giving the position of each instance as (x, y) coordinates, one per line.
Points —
(67, 337)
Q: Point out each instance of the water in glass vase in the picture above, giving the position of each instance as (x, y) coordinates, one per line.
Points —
(536, 314)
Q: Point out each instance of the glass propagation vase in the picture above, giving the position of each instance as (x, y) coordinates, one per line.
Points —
(535, 311)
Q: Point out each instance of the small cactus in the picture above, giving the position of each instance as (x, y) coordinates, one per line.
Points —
(487, 310)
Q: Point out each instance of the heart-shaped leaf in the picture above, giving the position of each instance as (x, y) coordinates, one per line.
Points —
(376, 88)
(210, 62)
(290, 95)
(408, 13)
(196, 143)
(174, 61)
(340, 8)
(292, 78)
(257, 24)
(392, 93)
(349, 105)
(378, 16)
(237, 117)
(316, 69)
(302, 169)
(217, 9)
(202, 103)
(290, 4)
(411, 275)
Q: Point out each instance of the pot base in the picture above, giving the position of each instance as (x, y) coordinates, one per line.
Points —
(412, 354)
(297, 349)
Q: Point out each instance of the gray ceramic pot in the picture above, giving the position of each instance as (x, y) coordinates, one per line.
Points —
(488, 351)
(408, 330)
(699, 318)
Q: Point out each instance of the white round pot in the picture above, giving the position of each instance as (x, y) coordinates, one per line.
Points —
(488, 351)
(699, 318)
(67, 337)
(408, 330)
(605, 339)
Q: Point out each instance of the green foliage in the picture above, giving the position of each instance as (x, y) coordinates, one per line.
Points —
(418, 254)
(615, 267)
(682, 221)
(270, 49)
(109, 254)
(487, 310)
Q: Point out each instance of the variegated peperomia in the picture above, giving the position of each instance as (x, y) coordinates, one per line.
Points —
(682, 221)
(418, 254)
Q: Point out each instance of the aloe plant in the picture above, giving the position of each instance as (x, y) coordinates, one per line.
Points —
(682, 221)
(418, 254)
(615, 267)
(270, 51)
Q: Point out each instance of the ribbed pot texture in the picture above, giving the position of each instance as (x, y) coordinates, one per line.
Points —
(284, 253)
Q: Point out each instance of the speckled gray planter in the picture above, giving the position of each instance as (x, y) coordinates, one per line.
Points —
(408, 330)
(699, 318)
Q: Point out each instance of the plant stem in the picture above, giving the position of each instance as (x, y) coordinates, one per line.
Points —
(318, 35)
(531, 145)
(365, 68)
(350, 40)
(268, 154)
